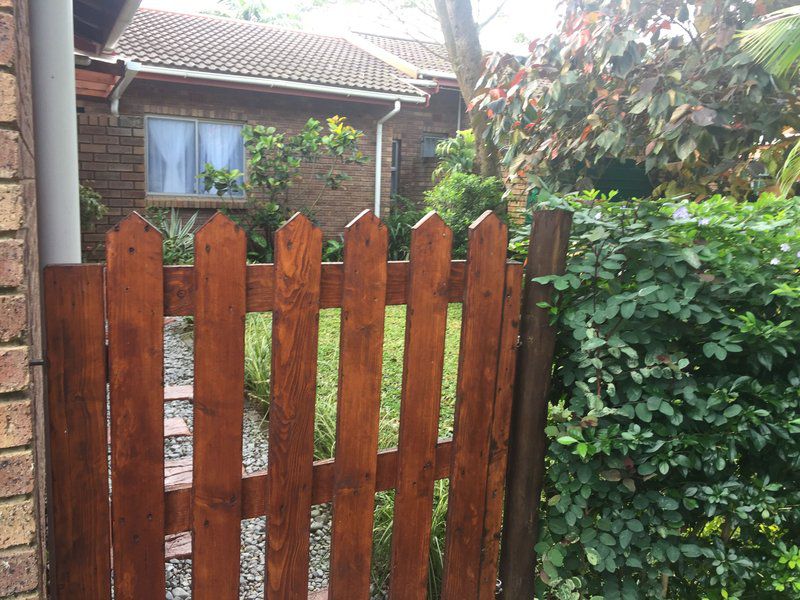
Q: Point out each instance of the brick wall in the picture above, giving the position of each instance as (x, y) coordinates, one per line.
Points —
(112, 152)
(20, 388)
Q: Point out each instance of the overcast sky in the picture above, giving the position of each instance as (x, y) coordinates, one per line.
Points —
(519, 19)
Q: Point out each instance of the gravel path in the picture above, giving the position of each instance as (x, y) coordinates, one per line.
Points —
(178, 359)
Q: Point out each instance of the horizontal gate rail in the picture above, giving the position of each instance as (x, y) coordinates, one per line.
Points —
(179, 286)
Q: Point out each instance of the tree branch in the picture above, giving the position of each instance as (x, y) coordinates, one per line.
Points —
(494, 14)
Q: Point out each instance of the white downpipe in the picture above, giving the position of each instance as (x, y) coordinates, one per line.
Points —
(283, 85)
(55, 132)
(131, 70)
(379, 154)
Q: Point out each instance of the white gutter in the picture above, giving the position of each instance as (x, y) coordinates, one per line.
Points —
(421, 82)
(55, 132)
(131, 70)
(283, 85)
(437, 74)
(123, 19)
(379, 154)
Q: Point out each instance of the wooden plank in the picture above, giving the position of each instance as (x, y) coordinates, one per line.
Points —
(501, 424)
(254, 487)
(136, 366)
(220, 256)
(295, 328)
(477, 373)
(177, 472)
(546, 256)
(426, 323)
(360, 364)
(179, 292)
(178, 546)
(80, 564)
(173, 427)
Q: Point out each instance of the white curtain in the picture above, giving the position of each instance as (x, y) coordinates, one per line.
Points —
(221, 145)
(171, 157)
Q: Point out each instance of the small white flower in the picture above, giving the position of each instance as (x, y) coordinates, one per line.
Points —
(774, 261)
(681, 214)
(598, 216)
(784, 247)
(798, 254)
(704, 221)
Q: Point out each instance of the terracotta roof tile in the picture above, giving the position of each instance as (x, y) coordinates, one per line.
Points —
(220, 45)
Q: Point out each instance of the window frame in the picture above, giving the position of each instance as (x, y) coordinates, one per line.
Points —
(196, 121)
(439, 137)
(394, 166)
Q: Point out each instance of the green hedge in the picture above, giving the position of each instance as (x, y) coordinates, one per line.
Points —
(674, 458)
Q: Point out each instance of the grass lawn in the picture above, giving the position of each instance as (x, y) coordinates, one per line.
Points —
(257, 361)
(257, 352)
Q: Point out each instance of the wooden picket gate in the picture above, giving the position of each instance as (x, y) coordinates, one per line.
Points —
(104, 328)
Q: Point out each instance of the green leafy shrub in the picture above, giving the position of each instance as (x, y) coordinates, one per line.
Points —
(403, 215)
(460, 198)
(675, 429)
(92, 207)
(456, 155)
(178, 235)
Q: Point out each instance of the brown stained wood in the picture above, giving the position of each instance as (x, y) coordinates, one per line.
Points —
(360, 365)
(220, 256)
(501, 424)
(295, 328)
(254, 487)
(135, 357)
(480, 340)
(426, 322)
(179, 292)
(80, 565)
(527, 447)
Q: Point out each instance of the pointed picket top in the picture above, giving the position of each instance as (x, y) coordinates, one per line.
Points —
(431, 224)
(297, 224)
(133, 235)
(365, 218)
(134, 222)
(219, 222)
(223, 236)
(488, 219)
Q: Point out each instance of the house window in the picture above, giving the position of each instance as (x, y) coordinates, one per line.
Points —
(395, 187)
(429, 143)
(178, 149)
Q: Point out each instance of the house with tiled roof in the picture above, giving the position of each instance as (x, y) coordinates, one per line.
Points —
(175, 89)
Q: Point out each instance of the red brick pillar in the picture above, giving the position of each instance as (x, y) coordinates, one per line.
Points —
(21, 443)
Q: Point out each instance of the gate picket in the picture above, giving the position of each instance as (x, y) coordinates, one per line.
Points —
(76, 388)
(501, 425)
(295, 328)
(426, 322)
(360, 364)
(480, 341)
(220, 261)
(136, 365)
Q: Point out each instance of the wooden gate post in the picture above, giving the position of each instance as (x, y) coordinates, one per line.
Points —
(546, 256)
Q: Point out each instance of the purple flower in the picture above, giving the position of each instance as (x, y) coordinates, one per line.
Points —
(704, 221)
(681, 214)
(785, 247)
(774, 261)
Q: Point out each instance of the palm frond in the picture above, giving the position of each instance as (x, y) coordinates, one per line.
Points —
(790, 171)
(776, 42)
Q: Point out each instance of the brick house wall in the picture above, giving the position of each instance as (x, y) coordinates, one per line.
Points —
(112, 149)
(21, 419)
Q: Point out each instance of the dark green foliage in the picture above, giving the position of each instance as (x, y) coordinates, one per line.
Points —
(460, 198)
(403, 215)
(456, 155)
(675, 429)
(178, 235)
(92, 207)
(664, 84)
